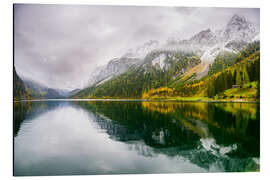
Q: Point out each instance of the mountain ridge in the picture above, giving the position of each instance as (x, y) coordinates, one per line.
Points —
(206, 44)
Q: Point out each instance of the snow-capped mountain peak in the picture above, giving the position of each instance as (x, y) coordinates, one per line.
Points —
(205, 37)
(239, 28)
(237, 33)
(238, 21)
(206, 44)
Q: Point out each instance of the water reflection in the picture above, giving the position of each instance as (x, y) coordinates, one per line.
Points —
(28, 110)
(53, 138)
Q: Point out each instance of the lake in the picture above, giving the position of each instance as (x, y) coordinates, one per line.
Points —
(111, 137)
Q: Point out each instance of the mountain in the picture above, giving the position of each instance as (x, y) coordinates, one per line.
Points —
(205, 38)
(230, 77)
(234, 37)
(154, 65)
(26, 89)
(19, 90)
(157, 69)
(141, 51)
(36, 90)
(62, 93)
(72, 93)
(120, 65)
(115, 67)
(206, 44)
(239, 29)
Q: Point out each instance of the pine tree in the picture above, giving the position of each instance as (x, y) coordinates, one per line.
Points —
(211, 89)
(245, 78)
(238, 78)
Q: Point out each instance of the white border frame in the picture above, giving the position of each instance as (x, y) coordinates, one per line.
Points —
(6, 46)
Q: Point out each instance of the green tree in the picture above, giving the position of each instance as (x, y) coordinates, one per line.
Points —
(238, 78)
(245, 78)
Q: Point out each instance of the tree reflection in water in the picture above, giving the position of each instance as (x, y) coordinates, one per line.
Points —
(213, 136)
(220, 134)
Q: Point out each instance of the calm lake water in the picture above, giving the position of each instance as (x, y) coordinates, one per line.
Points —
(72, 138)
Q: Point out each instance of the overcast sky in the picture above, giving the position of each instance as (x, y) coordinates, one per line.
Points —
(60, 45)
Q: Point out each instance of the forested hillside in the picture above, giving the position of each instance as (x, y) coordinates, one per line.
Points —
(19, 91)
(26, 89)
(158, 69)
(36, 90)
(230, 77)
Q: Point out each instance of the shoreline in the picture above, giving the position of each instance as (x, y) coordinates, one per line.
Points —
(143, 100)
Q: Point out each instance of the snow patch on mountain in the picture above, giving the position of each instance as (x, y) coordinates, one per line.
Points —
(237, 33)
(141, 51)
(118, 66)
(115, 67)
(104, 80)
(205, 38)
(159, 60)
(210, 53)
(256, 38)
(239, 28)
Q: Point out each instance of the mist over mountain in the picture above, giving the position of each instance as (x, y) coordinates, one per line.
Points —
(36, 90)
(207, 44)
(163, 56)
(19, 91)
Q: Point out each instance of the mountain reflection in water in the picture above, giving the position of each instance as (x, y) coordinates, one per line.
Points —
(54, 138)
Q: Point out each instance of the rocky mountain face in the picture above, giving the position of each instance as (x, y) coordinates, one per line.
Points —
(120, 65)
(237, 33)
(115, 67)
(206, 44)
(166, 60)
(239, 29)
(204, 38)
